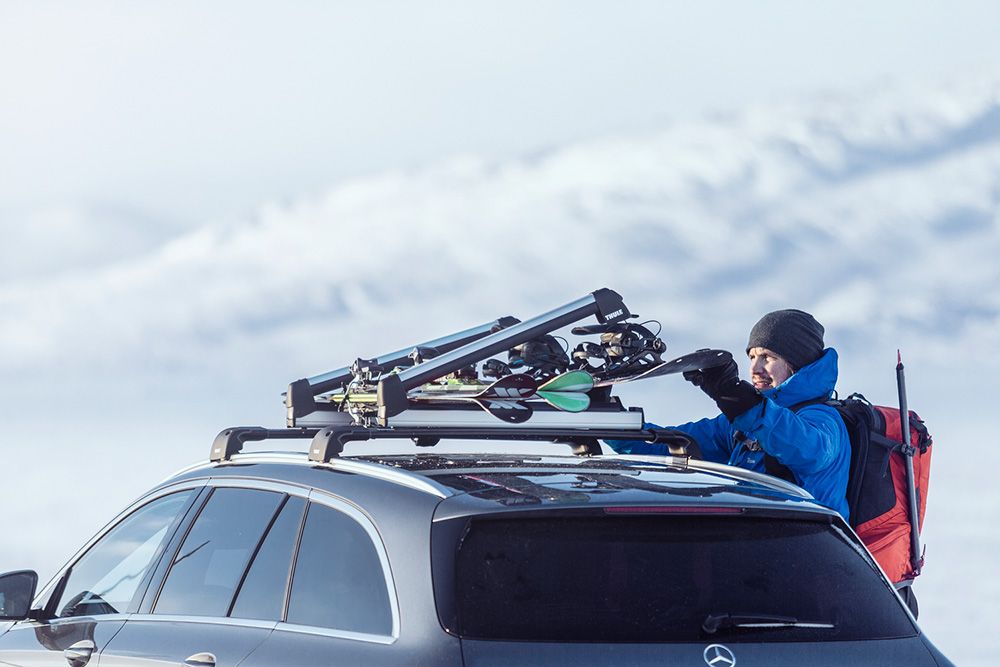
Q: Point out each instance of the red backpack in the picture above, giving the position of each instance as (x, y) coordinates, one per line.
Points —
(877, 490)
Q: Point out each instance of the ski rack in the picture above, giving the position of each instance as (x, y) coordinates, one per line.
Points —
(301, 394)
(328, 443)
(451, 354)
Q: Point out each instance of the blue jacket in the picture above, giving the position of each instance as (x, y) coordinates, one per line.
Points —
(813, 442)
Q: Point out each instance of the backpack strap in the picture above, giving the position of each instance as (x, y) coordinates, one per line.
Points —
(774, 467)
(862, 421)
(771, 465)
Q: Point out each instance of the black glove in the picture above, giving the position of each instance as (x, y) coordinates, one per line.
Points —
(723, 385)
(711, 380)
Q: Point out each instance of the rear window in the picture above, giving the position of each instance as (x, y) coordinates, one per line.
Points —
(612, 578)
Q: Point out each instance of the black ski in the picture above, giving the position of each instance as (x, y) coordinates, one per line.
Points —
(689, 362)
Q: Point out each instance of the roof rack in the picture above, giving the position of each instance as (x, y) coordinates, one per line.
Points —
(377, 391)
(456, 387)
(328, 443)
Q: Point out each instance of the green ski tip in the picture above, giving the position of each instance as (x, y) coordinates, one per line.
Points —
(569, 381)
(568, 401)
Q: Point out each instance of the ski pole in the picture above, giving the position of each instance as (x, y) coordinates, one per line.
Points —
(908, 452)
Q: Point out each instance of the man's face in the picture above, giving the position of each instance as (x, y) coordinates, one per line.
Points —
(767, 369)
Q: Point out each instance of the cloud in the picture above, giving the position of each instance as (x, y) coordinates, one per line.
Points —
(879, 210)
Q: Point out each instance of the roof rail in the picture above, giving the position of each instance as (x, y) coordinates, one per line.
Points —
(328, 443)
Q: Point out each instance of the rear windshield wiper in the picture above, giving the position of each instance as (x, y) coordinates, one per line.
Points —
(716, 622)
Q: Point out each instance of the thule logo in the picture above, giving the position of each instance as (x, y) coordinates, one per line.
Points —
(617, 313)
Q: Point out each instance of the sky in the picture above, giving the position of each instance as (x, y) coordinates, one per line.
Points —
(200, 204)
(182, 112)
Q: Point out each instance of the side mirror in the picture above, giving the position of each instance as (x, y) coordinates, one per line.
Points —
(17, 590)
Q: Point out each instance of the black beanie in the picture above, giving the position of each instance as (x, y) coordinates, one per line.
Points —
(794, 335)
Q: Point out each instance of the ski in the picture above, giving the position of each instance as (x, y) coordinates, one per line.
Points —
(504, 399)
(573, 381)
(510, 387)
(689, 362)
(512, 412)
(565, 392)
(516, 386)
(500, 399)
(567, 401)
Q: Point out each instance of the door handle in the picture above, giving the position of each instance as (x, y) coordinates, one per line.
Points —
(79, 653)
(200, 660)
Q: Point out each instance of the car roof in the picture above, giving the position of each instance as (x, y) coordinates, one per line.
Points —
(482, 482)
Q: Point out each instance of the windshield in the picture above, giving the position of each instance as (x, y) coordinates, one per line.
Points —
(623, 578)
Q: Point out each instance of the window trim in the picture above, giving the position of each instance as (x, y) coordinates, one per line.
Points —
(204, 620)
(337, 634)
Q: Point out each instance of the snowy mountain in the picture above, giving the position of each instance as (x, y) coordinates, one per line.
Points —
(878, 212)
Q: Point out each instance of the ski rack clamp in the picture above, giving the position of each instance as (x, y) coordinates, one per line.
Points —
(607, 305)
(301, 394)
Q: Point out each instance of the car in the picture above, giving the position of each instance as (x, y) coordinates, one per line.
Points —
(450, 508)
(284, 558)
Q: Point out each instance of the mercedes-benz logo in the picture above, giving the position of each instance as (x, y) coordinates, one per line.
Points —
(717, 655)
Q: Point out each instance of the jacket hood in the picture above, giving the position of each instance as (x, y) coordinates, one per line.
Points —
(817, 380)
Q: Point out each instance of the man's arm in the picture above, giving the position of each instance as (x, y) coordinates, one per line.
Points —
(714, 436)
(805, 441)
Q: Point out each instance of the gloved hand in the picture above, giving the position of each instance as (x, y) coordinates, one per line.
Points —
(711, 380)
(723, 385)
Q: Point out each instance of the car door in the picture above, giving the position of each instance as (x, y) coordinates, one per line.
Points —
(342, 607)
(88, 603)
(188, 620)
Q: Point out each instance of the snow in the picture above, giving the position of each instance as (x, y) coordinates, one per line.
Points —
(878, 211)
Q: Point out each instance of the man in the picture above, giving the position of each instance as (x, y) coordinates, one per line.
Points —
(758, 429)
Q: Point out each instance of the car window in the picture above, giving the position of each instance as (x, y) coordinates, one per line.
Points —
(262, 593)
(668, 578)
(339, 582)
(211, 561)
(106, 578)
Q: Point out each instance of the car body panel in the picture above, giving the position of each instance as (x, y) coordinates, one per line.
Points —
(30, 643)
(309, 649)
(911, 651)
(153, 640)
(404, 497)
